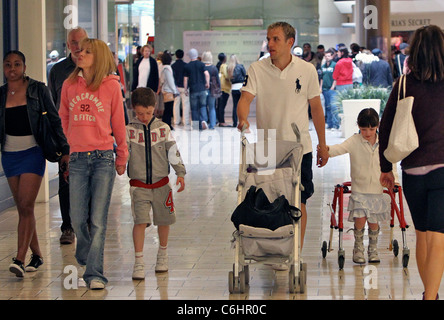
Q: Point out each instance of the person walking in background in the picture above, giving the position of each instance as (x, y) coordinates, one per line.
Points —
(423, 169)
(59, 73)
(343, 73)
(93, 119)
(399, 60)
(197, 79)
(328, 86)
(146, 71)
(213, 92)
(236, 73)
(178, 67)
(378, 73)
(168, 85)
(225, 85)
(22, 102)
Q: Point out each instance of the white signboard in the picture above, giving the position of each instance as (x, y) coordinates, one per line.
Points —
(246, 45)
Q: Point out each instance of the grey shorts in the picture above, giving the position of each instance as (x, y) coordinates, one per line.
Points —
(159, 199)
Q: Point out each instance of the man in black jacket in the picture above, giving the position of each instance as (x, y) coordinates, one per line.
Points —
(145, 71)
(59, 73)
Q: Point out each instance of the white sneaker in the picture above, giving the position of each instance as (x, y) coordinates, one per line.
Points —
(162, 262)
(96, 285)
(204, 125)
(139, 271)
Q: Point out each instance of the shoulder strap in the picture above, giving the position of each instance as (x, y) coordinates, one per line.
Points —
(399, 64)
(402, 86)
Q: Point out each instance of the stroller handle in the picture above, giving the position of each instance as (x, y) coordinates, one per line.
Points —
(296, 131)
(244, 129)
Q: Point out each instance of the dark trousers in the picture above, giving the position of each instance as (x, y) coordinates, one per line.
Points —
(168, 112)
(64, 203)
(236, 94)
(221, 104)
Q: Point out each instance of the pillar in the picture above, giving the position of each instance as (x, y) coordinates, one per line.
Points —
(377, 26)
(32, 41)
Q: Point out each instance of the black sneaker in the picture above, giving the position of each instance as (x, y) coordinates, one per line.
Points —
(35, 262)
(17, 268)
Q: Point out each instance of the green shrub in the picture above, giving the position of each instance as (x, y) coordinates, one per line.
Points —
(363, 92)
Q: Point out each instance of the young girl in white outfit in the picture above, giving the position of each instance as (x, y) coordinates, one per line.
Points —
(367, 202)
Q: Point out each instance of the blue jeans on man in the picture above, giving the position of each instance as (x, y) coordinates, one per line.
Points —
(198, 104)
(331, 109)
(91, 179)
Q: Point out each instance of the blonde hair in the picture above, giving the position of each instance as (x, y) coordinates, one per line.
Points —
(207, 57)
(103, 65)
(232, 64)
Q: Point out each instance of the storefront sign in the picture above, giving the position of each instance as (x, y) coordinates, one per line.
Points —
(410, 22)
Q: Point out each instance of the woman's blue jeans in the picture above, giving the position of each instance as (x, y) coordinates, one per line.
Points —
(91, 179)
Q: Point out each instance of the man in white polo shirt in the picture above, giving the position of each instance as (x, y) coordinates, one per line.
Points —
(285, 86)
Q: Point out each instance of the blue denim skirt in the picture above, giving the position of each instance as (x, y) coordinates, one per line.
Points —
(27, 161)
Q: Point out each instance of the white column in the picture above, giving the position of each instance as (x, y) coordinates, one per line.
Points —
(32, 42)
(102, 23)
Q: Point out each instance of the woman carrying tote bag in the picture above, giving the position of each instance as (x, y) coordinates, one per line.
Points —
(423, 169)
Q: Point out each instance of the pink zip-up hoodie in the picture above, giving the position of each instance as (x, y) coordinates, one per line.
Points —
(92, 120)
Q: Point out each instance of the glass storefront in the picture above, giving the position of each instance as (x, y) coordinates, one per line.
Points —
(134, 23)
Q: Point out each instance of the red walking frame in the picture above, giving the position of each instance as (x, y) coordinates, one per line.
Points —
(337, 209)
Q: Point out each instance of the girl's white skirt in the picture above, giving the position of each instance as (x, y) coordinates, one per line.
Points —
(374, 207)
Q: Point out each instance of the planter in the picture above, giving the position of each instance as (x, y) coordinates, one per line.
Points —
(351, 109)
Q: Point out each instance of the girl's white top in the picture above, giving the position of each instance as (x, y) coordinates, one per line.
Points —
(364, 163)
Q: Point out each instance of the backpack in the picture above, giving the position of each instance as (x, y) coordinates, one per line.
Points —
(257, 211)
(215, 89)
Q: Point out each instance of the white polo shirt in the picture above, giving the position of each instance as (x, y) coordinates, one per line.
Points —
(282, 97)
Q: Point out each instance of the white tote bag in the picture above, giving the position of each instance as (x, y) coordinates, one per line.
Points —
(403, 138)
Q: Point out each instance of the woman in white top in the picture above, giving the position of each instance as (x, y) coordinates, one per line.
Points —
(367, 202)
(168, 85)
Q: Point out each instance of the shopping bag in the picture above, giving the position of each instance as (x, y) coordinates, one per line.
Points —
(403, 138)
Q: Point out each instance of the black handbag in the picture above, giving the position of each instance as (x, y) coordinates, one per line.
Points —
(52, 151)
(257, 211)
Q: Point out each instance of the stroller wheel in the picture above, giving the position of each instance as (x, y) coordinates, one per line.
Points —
(324, 249)
(231, 282)
(395, 247)
(247, 274)
(302, 281)
(242, 281)
(292, 280)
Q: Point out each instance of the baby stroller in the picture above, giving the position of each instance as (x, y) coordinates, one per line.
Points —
(281, 246)
(337, 223)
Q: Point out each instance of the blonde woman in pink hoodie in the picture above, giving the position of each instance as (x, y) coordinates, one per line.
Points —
(93, 120)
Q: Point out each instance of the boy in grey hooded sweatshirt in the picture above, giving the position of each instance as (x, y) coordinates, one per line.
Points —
(152, 149)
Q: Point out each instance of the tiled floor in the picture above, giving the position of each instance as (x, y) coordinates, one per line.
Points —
(199, 247)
